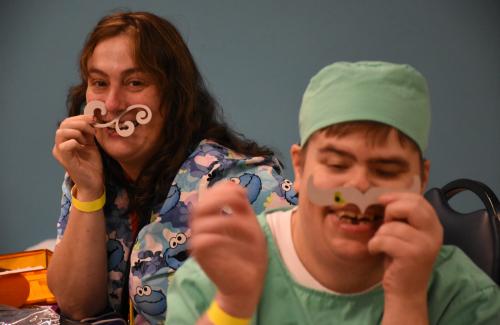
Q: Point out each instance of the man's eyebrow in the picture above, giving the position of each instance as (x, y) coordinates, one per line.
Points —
(394, 160)
(328, 149)
(387, 160)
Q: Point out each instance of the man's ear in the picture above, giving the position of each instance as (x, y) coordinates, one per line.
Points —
(425, 175)
(297, 163)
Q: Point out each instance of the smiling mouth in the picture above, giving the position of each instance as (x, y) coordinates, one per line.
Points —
(356, 219)
(351, 214)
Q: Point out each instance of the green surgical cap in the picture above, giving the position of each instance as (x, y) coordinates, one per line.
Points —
(393, 94)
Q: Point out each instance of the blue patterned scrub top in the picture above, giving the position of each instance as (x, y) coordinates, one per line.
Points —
(161, 246)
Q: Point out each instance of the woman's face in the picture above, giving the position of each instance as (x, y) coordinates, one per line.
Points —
(115, 79)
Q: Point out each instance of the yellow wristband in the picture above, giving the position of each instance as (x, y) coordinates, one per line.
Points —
(219, 317)
(90, 206)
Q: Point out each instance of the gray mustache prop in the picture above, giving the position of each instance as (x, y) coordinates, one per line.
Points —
(339, 197)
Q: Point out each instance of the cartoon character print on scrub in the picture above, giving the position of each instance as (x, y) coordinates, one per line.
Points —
(161, 246)
(173, 196)
(149, 301)
(177, 252)
(149, 272)
(148, 263)
(251, 183)
(116, 254)
(288, 192)
(282, 195)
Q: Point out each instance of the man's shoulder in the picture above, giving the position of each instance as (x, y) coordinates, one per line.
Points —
(454, 266)
(190, 276)
(460, 292)
(262, 217)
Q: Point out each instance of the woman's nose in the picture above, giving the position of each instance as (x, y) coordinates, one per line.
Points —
(114, 102)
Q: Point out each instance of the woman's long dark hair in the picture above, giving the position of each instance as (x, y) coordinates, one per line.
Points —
(192, 114)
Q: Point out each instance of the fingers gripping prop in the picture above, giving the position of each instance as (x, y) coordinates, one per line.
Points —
(125, 128)
(341, 196)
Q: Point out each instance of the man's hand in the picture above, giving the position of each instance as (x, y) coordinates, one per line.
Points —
(230, 246)
(410, 237)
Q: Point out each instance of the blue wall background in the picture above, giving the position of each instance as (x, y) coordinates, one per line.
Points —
(257, 57)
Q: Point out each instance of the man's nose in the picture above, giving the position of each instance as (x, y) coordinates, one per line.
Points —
(360, 180)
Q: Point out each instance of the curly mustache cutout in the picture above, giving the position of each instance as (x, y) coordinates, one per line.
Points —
(125, 128)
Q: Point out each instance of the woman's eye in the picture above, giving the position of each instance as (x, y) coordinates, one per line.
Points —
(136, 83)
(98, 83)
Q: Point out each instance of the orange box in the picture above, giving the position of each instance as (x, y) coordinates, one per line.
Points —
(30, 267)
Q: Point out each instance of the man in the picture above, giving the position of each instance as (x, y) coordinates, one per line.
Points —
(364, 127)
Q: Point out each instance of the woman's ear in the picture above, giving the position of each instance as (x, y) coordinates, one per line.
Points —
(296, 154)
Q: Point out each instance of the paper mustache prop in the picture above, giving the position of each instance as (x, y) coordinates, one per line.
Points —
(340, 197)
(125, 128)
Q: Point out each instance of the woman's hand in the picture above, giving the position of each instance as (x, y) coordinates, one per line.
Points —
(76, 150)
(81, 291)
(230, 246)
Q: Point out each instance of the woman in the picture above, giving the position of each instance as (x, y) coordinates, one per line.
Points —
(148, 180)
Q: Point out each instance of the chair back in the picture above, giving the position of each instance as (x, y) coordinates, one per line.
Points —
(477, 233)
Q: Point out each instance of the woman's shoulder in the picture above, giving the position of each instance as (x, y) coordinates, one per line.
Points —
(219, 161)
(211, 162)
(223, 153)
(207, 146)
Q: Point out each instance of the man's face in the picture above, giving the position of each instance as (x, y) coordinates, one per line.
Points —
(348, 161)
